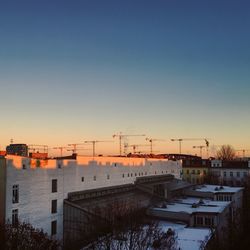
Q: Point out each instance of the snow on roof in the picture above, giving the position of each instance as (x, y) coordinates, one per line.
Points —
(203, 205)
(189, 209)
(218, 189)
(188, 238)
(205, 201)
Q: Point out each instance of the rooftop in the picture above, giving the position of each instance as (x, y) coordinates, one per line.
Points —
(218, 189)
(187, 238)
(193, 208)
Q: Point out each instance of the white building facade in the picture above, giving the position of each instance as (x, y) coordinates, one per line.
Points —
(34, 190)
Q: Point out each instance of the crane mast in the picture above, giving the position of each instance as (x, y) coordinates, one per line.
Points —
(121, 137)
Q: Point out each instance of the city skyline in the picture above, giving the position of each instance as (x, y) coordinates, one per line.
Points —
(81, 70)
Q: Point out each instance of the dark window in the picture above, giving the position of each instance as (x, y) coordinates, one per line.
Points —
(225, 174)
(14, 217)
(53, 227)
(54, 206)
(188, 171)
(123, 175)
(94, 178)
(108, 176)
(238, 174)
(54, 185)
(59, 165)
(208, 221)
(231, 174)
(199, 220)
(83, 179)
(198, 171)
(15, 194)
(24, 166)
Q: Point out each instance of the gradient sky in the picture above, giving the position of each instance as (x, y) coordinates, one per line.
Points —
(84, 69)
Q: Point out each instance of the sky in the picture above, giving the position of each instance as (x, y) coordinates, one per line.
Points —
(85, 69)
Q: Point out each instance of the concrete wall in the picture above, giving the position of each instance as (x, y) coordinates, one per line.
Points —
(180, 216)
(85, 173)
(2, 189)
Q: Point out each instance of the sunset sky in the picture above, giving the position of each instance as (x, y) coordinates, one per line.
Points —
(80, 70)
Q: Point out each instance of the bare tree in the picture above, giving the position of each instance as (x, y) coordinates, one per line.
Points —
(226, 152)
(124, 226)
(24, 236)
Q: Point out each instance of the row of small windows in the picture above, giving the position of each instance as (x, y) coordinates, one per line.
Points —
(201, 221)
(224, 198)
(196, 172)
(235, 174)
(128, 175)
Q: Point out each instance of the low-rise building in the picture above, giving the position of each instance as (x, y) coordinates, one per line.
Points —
(195, 170)
(233, 173)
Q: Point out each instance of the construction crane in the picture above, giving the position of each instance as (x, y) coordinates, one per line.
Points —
(121, 137)
(94, 144)
(34, 148)
(151, 140)
(61, 149)
(74, 145)
(180, 140)
(243, 152)
(200, 147)
(135, 146)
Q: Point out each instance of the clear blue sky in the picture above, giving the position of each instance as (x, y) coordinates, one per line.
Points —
(76, 70)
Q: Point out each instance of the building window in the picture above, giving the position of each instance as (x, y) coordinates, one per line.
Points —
(145, 173)
(94, 178)
(245, 174)
(15, 194)
(53, 227)
(198, 171)
(82, 178)
(188, 171)
(136, 174)
(131, 175)
(14, 216)
(123, 175)
(238, 174)
(59, 165)
(193, 171)
(108, 176)
(199, 220)
(24, 166)
(225, 174)
(209, 221)
(128, 174)
(231, 174)
(54, 185)
(54, 206)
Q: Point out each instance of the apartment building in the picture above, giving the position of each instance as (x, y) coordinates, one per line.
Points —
(34, 190)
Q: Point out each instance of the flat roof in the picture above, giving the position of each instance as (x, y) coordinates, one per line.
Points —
(206, 201)
(187, 208)
(187, 238)
(213, 189)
